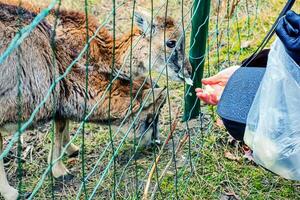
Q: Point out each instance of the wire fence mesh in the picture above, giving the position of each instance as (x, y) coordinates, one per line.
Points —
(114, 161)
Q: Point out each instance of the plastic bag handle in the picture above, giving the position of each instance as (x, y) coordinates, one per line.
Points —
(271, 32)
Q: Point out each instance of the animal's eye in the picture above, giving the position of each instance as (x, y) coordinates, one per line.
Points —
(171, 43)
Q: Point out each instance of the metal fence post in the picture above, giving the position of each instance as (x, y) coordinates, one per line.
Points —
(200, 21)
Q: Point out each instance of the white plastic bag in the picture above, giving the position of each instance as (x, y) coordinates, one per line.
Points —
(273, 124)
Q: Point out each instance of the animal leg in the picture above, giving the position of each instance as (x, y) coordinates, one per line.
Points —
(8, 192)
(72, 150)
(59, 170)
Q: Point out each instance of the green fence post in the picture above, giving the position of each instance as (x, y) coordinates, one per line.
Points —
(199, 34)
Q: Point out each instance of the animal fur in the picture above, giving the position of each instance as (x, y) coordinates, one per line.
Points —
(33, 64)
(72, 29)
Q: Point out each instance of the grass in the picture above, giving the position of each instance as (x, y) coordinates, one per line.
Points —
(212, 176)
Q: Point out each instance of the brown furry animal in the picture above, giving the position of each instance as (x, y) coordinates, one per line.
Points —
(32, 63)
(72, 29)
(24, 4)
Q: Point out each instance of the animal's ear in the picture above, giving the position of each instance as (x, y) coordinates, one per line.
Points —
(143, 23)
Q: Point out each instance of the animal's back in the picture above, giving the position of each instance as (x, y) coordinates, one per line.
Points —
(31, 63)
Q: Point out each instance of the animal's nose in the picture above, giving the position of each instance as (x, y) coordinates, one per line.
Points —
(188, 67)
(171, 43)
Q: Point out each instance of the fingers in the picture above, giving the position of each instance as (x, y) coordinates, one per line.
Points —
(199, 90)
(291, 31)
(207, 98)
(214, 100)
(281, 30)
(287, 35)
(293, 19)
(288, 26)
(220, 78)
(212, 80)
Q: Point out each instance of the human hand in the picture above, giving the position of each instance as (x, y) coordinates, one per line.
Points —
(214, 86)
(288, 30)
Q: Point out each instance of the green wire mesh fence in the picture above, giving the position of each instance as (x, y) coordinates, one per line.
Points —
(113, 161)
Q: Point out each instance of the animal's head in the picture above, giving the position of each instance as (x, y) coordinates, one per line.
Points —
(166, 37)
